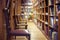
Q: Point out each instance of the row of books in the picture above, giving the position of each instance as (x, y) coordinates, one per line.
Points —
(52, 21)
(46, 29)
(53, 34)
(57, 9)
(51, 2)
(40, 25)
(52, 10)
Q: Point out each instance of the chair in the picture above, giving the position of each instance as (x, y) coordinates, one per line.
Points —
(16, 32)
(19, 23)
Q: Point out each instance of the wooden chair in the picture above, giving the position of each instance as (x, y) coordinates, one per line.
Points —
(19, 23)
(16, 32)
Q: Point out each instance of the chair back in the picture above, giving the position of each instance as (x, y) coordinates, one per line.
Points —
(6, 14)
(15, 18)
(15, 21)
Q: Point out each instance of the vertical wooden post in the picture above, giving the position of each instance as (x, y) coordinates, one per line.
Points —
(59, 26)
(11, 15)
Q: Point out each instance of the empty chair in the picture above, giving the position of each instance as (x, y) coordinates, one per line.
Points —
(16, 32)
(19, 23)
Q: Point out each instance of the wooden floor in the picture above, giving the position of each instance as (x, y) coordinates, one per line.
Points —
(36, 34)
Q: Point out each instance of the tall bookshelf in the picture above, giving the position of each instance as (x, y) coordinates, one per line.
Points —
(47, 19)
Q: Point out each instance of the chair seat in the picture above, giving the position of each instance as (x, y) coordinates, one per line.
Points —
(20, 32)
(22, 24)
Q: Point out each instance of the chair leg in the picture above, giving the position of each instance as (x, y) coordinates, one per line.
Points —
(15, 37)
(29, 37)
(10, 38)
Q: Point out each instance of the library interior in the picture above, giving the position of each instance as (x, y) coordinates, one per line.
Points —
(29, 19)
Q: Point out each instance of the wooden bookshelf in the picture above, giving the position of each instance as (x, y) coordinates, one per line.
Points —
(58, 26)
(47, 18)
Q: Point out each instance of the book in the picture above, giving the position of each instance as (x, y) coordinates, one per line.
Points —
(56, 19)
(55, 25)
(51, 21)
(50, 33)
(46, 29)
(51, 2)
(51, 11)
(57, 9)
(54, 35)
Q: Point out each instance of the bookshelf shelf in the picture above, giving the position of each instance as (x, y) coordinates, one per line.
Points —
(50, 26)
(48, 18)
(46, 23)
(42, 21)
(52, 15)
(46, 14)
(53, 28)
(51, 5)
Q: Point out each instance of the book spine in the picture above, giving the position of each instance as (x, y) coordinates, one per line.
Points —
(49, 2)
(52, 1)
(50, 33)
(54, 36)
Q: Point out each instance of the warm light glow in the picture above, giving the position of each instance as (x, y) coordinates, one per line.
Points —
(30, 3)
(25, 13)
(36, 3)
(26, 16)
(30, 7)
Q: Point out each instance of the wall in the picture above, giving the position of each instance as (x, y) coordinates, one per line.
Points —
(2, 27)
